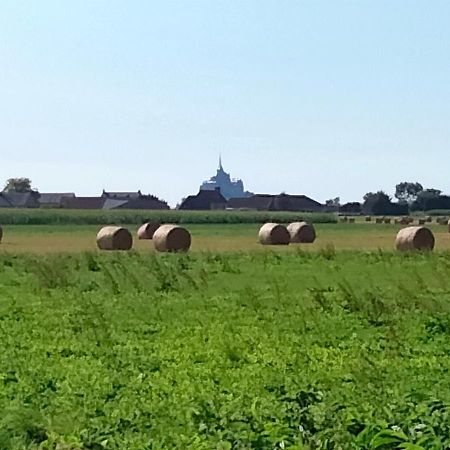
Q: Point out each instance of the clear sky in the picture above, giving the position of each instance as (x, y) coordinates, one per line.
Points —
(323, 98)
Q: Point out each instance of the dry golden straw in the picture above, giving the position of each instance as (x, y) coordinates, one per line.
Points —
(274, 234)
(114, 238)
(302, 232)
(415, 238)
(147, 230)
(172, 238)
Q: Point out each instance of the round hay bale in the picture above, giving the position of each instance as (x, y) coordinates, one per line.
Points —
(429, 219)
(414, 238)
(172, 238)
(147, 230)
(114, 238)
(1, 233)
(378, 220)
(422, 221)
(343, 220)
(368, 219)
(274, 234)
(351, 220)
(387, 221)
(301, 232)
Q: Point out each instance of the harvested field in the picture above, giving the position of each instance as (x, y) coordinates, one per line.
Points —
(216, 238)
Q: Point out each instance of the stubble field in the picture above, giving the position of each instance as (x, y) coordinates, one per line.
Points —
(210, 237)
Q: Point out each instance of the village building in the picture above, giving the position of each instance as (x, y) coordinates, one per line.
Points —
(116, 200)
(53, 200)
(205, 200)
(13, 199)
(281, 202)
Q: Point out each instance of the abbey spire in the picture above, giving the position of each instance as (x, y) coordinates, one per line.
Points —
(229, 188)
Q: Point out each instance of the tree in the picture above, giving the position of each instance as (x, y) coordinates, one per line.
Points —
(333, 202)
(351, 208)
(407, 192)
(424, 198)
(376, 202)
(18, 185)
(379, 203)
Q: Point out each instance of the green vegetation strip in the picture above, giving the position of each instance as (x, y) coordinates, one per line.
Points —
(241, 351)
(100, 217)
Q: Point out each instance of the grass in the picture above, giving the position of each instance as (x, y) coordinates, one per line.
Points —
(211, 237)
(249, 350)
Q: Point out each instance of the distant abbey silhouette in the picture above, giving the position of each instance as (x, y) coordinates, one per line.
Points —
(229, 188)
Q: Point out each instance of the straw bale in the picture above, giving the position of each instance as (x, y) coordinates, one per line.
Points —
(351, 220)
(379, 220)
(415, 238)
(368, 219)
(147, 230)
(301, 232)
(274, 234)
(114, 238)
(172, 238)
(387, 221)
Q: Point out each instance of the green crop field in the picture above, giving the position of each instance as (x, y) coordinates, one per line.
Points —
(250, 350)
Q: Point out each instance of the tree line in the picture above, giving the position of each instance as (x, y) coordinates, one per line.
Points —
(410, 196)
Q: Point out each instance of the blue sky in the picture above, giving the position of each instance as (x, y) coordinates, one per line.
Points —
(325, 98)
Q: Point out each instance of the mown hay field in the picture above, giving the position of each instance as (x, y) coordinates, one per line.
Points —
(250, 350)
(210, 237)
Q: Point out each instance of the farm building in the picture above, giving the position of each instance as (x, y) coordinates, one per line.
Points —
(132, 200)
(122, 195)
(281, 202)
(54, 200)
(115, 201)
(205, 200)
(83, 203)
(4, 203)
(12, 199)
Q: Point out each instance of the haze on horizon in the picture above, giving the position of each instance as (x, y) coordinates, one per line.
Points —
(323, 98)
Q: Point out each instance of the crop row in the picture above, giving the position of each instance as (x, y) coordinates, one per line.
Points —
(89, 217)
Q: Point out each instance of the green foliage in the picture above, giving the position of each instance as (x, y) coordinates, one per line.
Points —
(429, 199)
(379, 203)
(326, 350)
(18, 185)
(407, 191)
(100, 217)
